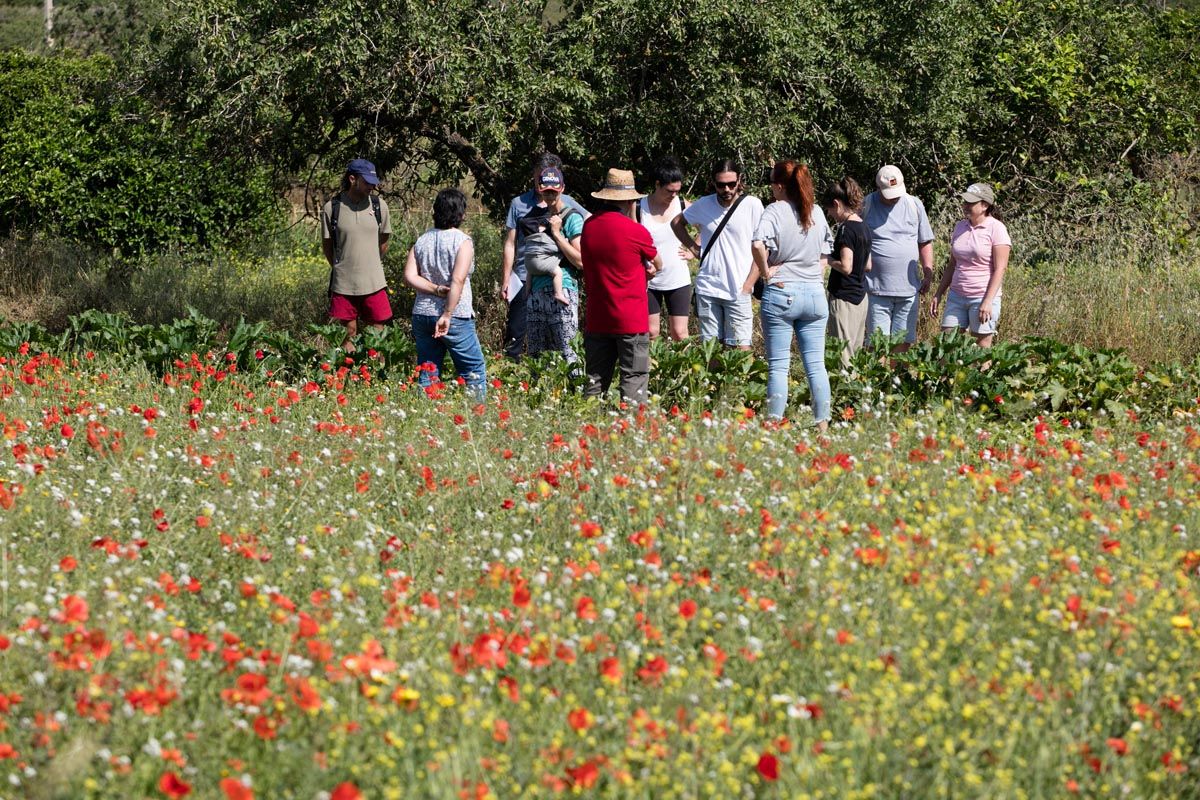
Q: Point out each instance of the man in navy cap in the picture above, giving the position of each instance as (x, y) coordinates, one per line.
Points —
(355, 228)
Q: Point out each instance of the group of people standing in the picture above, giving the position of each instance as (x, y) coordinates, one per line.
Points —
(633, 257)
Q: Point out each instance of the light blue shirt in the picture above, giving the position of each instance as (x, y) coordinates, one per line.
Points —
(897, 231)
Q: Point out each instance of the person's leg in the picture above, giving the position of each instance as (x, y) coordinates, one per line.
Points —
(906, 312)
(515, 325)
(984, 332)
(465, 351)
(777, 342)
(810, 331)
(431, 352)
(600, 358)
(539, 321)
(634, 353)
(956, 313)
(856, 325)
(839, 328)
(559, 295)
(679, 301)
(568, 326)
(654, 306)
(708, 315)
(739, 322)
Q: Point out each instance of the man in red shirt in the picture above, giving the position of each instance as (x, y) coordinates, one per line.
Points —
(618, 259)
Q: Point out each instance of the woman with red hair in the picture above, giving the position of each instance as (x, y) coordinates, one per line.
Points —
(791, 249)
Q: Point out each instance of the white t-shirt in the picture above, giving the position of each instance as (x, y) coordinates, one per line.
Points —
(674, 273)
(728, 261)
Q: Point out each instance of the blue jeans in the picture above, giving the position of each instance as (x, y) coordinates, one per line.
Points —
(799, 308)
(463, 345)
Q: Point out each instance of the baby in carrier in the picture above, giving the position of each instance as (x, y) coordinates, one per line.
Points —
(542, 254)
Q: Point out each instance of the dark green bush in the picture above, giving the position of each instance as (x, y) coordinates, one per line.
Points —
(81, 158)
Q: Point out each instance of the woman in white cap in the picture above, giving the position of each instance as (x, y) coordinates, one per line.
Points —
(979, 250)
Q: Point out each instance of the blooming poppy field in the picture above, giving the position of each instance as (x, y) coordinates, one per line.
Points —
(226, 587)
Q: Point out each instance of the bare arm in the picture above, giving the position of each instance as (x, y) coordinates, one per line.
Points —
(1000, 253)
(680, 227)
(413, 277)
(458, 279)
(330, 252)
(844, 263)
(654, 267)
(943, 285)
(759, 251)
(925, 255)
(510, 256)
(384, 240)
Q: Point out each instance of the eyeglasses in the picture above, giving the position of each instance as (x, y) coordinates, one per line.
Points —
(726, 184)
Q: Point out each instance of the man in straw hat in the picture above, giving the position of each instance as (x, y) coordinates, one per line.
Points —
(618, 259)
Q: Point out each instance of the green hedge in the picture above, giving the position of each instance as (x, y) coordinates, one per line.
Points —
(84, 158)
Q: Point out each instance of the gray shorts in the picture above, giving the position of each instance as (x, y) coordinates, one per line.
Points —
(730, 321)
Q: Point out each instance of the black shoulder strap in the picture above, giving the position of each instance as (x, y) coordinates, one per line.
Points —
(638, 210)
(334, 210)
(721, 227)
(378, 212)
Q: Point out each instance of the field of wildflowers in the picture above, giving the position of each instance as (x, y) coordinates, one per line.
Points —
(219, 586)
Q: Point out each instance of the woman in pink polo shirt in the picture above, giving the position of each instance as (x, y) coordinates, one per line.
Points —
(979, 249)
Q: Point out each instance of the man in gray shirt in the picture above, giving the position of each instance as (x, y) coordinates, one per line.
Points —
(901, 256)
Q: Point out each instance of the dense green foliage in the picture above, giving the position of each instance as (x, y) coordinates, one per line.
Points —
(1040, 97)
(81, 159)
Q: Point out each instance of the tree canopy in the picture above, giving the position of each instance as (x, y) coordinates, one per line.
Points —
(1020, 92)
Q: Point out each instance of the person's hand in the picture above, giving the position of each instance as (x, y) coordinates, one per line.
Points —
(442, 326)
(504, 291)
(985, 312)
(925, 285)
(684, 253)
(555, 225)
(933, 305)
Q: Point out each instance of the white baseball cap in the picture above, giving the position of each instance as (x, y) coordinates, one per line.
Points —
(890, 182)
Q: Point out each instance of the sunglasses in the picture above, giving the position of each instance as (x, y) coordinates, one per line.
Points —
(726, 184)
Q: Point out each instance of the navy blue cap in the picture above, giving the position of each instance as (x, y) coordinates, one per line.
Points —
(364, 169)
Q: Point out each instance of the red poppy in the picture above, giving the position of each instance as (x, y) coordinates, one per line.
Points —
(687, 609)
(345, 791)
(236, 790)
(173, 786)
(768, 767)
(580, 719)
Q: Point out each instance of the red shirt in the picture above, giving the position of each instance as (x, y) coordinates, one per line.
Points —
(614, 249)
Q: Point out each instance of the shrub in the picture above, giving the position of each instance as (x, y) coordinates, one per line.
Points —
(81, 159)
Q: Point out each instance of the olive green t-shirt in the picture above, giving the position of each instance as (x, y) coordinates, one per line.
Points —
(358, 267)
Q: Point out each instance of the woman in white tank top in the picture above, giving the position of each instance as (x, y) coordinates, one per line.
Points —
(672, 286)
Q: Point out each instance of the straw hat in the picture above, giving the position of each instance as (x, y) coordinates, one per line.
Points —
(618, 185)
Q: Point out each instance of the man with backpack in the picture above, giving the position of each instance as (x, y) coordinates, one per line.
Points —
(355, 228)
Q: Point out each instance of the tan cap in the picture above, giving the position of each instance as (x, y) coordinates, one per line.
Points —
(979, 191)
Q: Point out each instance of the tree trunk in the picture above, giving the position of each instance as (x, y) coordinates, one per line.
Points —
(48, 8)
